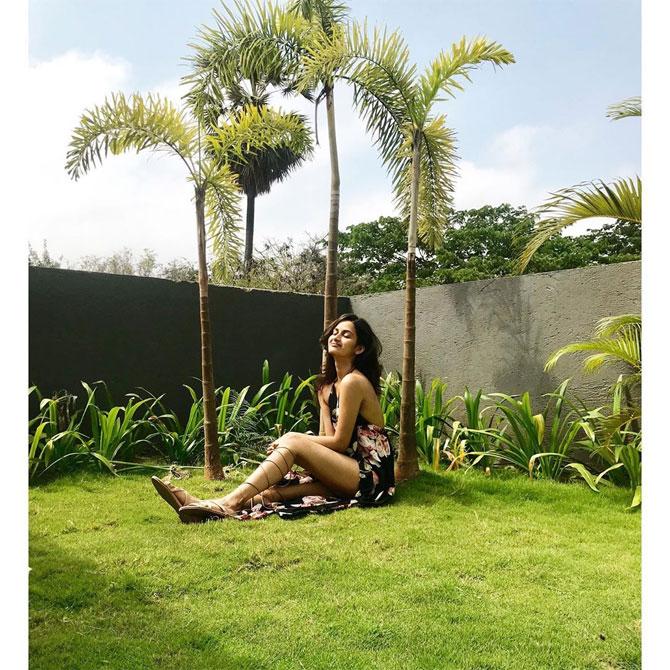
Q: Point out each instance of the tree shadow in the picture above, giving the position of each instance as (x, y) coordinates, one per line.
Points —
(82, 616)
(429, 488)
(516, 338)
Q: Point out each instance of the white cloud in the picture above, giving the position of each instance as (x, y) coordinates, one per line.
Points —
(509, 173)
(135, 201)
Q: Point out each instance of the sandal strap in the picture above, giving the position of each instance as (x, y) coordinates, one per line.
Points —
(210, 504)
(254, 487)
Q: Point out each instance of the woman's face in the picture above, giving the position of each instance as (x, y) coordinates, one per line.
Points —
(343, 342)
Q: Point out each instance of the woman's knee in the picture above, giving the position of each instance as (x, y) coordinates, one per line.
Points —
(295, 442)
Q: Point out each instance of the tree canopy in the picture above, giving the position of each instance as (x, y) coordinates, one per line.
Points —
(477, 244)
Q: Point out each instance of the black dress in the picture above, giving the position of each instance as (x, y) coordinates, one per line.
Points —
(370, 446)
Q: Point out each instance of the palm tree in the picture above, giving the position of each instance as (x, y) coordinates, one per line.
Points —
(616, 339)
(150, 122)
(270, 41)
(622, 199)
(260, 169)
(416, 147)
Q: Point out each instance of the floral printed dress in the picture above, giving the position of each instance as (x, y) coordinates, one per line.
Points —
(370, 446)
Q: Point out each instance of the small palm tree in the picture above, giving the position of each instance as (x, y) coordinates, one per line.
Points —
(616, 339)
(622, 199)
(415, 145)
(265, 40)
(140, 123)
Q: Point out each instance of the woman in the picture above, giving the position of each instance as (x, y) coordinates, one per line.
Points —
(349, 463)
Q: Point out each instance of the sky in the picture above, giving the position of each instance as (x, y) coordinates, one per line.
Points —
(523, 130)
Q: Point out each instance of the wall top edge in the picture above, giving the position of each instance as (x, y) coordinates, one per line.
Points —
(508, 278)
(123, 277)
(243, 289)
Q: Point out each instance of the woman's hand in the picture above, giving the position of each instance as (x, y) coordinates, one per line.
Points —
(323, 400)
(272, 447)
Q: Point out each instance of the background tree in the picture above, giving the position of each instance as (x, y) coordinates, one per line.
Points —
(284, 265)
(416, 147)
(44, 260)
(153, 123)
(477, 244)
(258, 169)
(264, 38)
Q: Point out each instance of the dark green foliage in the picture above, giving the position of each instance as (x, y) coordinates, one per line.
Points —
(491, 431)
(65, 436)
(478, 244)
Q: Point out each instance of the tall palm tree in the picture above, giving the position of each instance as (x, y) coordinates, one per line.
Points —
(140, 123)
(264, 39)
(416, 147)
(622, 199)
(259, 169)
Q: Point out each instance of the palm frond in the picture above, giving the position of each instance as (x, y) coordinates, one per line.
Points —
(253, 130)
(251, 40)
(448, 70)
(122, 124)
(436, 179)
(625, 347)
(625, 108)
(612, 325)
(622, 199)
(326, 14)
(222, 214)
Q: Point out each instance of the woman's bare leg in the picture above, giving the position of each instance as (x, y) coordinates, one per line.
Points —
(337, 472)
(282, 493)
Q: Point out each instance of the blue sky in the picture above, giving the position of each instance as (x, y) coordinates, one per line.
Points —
(532, 127)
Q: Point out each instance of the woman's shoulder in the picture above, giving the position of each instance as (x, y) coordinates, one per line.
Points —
(356, 379)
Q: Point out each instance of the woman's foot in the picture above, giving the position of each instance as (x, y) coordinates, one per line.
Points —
(173, 495)
(206, 510)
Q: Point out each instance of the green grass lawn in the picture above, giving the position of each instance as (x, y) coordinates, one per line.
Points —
(462, 571)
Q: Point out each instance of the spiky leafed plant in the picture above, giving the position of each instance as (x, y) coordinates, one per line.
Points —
(415, 145)
(140, 123)
(622, 199)
(266, 40)
(615, 437)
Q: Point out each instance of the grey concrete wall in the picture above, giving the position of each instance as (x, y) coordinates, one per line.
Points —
(136, 331)
(497, 334)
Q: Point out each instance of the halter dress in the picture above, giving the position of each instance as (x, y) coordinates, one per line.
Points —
(370, 446)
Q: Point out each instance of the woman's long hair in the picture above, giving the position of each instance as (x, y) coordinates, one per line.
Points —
(366, 362)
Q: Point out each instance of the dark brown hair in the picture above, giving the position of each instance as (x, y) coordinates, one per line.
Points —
(366, 362)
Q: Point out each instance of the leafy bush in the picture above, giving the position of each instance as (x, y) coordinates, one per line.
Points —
(614, 445)
(494, 430)
(62, 437)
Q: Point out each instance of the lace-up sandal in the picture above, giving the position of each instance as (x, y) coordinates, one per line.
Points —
(205, 510)
(168, 492)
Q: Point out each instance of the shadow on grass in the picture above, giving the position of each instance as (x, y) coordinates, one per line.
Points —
(468, 488)
(79, 618)
(430, 488)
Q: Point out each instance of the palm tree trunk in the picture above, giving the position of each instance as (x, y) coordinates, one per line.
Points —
(213, 469)
(407, 465)
(249, 238)
(330, 290)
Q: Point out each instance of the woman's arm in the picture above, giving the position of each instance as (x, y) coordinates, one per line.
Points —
(351, 397)
(326, 425)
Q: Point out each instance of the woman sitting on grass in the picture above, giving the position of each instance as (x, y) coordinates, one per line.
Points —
(350, 463)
